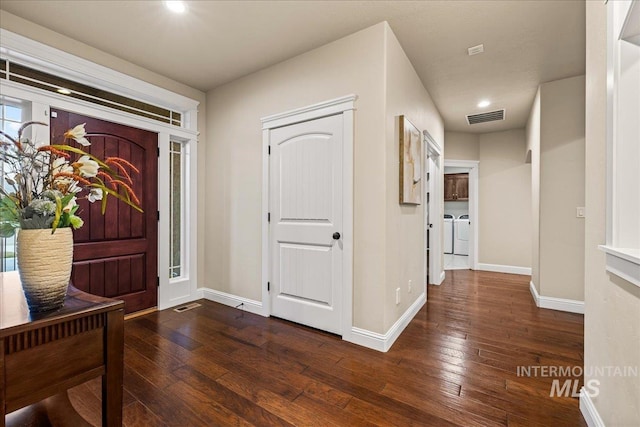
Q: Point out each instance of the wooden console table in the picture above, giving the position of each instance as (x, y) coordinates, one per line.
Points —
(44, 355)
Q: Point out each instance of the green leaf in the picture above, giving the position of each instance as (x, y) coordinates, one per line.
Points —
(7, 230)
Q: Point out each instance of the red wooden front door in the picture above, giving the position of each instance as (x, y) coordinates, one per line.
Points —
(116, 255)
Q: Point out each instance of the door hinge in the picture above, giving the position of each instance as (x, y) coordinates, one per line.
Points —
(268, 286)
(269, 150)
(158, 149)
(158, 214)
(268, 216)
(158, 281)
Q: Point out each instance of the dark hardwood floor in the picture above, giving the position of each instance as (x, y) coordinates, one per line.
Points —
(455, 364)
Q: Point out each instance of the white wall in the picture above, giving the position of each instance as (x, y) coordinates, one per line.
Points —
(505, 200)
(405, 255)
(562, 176)
(612, 305)
(504, 193)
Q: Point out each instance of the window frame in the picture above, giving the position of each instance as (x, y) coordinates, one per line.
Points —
(621, 260)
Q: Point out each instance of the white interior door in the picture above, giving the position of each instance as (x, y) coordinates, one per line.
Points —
(306, 222)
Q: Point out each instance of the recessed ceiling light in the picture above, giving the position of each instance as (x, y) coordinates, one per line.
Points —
(484, 103)
(176, 6)
(64, 91)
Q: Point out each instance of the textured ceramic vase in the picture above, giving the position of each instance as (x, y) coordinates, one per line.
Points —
(44, 264)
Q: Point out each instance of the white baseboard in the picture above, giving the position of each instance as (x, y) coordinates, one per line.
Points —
(589, 411)
(180, 301)
(553, 303)
(383, 342)
(511, 269)
(252, 306)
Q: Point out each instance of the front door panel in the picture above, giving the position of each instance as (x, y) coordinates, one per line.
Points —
(115, 255)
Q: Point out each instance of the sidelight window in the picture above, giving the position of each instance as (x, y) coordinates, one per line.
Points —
(176, 209)
(12, 114)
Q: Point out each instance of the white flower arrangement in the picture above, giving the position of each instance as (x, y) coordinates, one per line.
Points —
(46, 182)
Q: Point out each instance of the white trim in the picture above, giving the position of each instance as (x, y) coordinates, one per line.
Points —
(474, 210)
(624, 263)
(553, 303)
(589, 411)
(443, 275)
(315, 111)
(432, 211)
(48, 59)
(511, 269)
(252, 306)
(383, 342)
(347, 222)
(345, 106)
(621, 260)
(192, 296)
(266, 236)
(432, 143)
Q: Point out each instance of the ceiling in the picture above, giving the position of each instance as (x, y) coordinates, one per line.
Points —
(526, 42)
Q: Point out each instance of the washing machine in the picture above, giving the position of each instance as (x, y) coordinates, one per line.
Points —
(461, 235)
(448, 233)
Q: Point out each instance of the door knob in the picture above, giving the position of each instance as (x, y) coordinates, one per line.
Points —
(336, 236)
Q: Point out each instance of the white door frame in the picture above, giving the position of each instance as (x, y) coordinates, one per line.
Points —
(434, 211)
(344, 106)
(473, 166)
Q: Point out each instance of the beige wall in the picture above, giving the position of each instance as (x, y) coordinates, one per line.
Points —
(612, 305)
(562, 176)
(43, 35)
(354, 64)
(533, 154)
(505, 200)
(405, 256)
(504, 231)
(388, 242)
(462, 146)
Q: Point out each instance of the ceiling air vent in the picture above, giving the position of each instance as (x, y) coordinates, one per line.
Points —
(490, 116)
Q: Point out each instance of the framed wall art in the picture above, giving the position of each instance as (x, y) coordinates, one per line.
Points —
(410, 162)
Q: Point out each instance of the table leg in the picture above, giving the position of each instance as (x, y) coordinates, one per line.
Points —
(3, 403)
(113, 377)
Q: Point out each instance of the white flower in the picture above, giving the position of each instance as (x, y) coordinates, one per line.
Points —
(94, 194)
(72, 203)
(74, 187)
(78, 134)
(61, 165)
(86, 167)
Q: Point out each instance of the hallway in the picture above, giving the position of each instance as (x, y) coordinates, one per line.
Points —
(455, 364)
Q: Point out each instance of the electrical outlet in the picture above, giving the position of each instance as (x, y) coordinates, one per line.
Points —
(580, 212)
(397, 296)
(409, 286)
